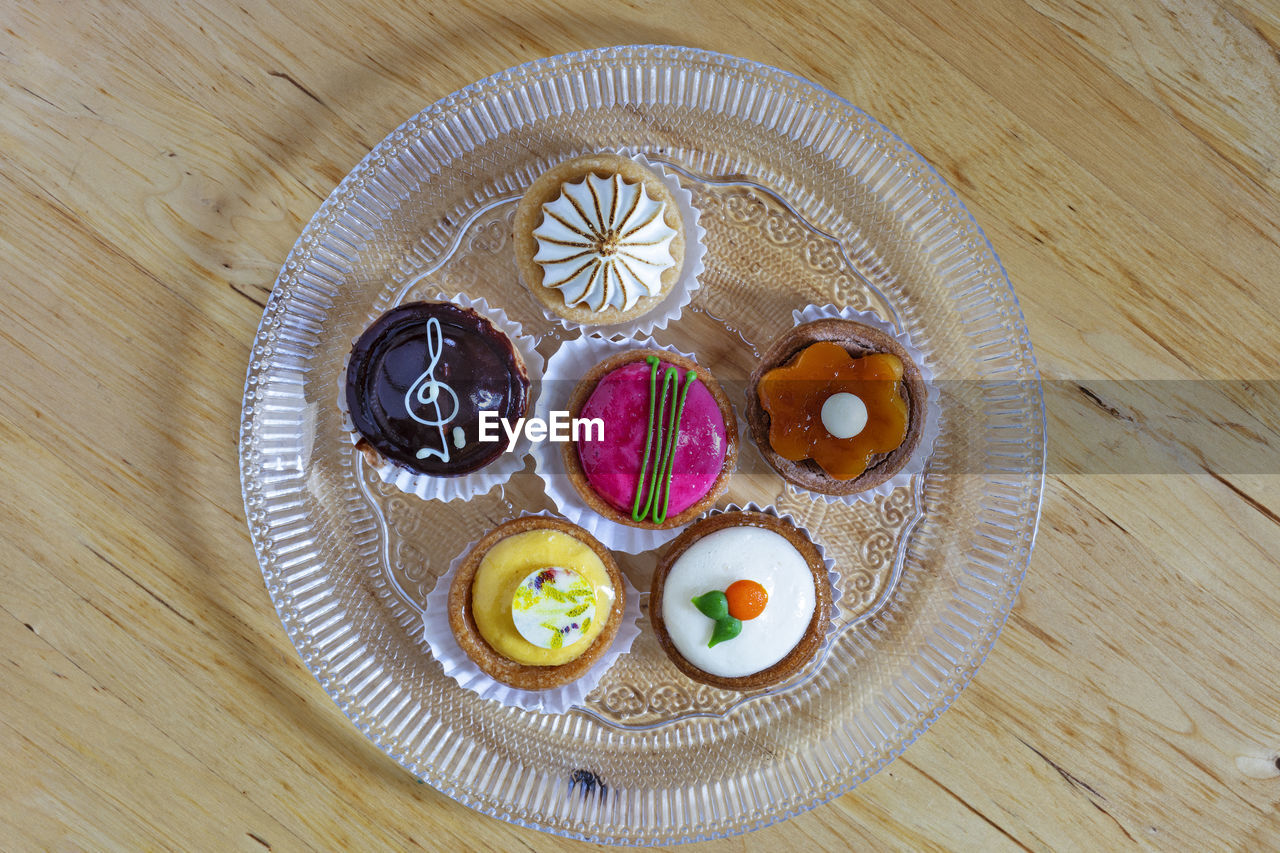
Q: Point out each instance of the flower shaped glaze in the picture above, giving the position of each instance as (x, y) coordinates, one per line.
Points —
(603, 243)
(837, 410)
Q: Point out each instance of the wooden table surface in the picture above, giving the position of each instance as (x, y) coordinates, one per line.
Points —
(159, 160)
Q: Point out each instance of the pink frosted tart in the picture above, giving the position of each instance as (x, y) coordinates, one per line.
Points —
(669, 442)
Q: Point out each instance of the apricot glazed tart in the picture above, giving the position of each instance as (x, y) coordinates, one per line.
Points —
(836, 406)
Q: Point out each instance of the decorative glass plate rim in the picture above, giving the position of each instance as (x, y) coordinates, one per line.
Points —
(973, 655)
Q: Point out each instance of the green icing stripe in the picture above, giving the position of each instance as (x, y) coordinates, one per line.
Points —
(660, 443)
(636, 512)
(673, 434)
(669, 379)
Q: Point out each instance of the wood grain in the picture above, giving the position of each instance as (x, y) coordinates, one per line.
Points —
(159, 162)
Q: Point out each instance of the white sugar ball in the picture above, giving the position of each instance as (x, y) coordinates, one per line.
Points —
(844, 415)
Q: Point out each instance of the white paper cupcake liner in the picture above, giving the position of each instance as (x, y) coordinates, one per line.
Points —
(833, 576)
(928, 435)
(564, 370)
(500, 470)
(463, 670)
(681, 293)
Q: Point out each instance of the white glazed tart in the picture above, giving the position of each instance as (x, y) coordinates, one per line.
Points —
(723, 554)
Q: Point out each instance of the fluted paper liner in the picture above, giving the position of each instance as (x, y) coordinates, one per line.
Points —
(500, 470)
(463, 670)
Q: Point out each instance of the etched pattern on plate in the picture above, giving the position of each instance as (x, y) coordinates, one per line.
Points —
(733, 321)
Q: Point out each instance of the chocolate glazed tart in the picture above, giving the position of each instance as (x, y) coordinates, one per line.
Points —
(800, 654)
(857, 339)
(410, 390)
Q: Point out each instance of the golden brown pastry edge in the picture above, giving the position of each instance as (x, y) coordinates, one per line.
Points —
(546, 188)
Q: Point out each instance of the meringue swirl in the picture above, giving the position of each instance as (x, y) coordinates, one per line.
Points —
(604, 243)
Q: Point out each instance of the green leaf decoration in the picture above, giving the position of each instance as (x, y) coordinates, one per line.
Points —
(577, 611)
(586, 624)
(713, 605)
(554, 594)
(557, 639)
(726, 629)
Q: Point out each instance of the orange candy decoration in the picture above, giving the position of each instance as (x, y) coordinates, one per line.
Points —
(746, 599)
(793, 396)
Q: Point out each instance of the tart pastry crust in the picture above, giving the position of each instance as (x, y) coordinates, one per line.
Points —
(573, 464)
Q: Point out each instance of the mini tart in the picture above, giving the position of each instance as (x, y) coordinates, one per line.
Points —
(741, 566)
(857, 339)
(546, 189)
(573, 462)
(400, 355)
(462, 619)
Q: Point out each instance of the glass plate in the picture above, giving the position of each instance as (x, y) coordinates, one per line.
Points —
(805, 199)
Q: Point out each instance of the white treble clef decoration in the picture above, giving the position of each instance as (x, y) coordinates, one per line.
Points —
(427, 390)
